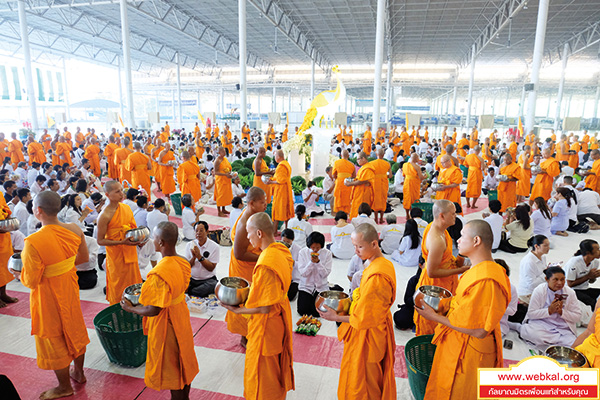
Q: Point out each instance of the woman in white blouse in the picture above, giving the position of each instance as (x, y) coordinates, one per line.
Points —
(314, 265)
(300, 226)
(553, 312)
(532, 266)
(341, 242)
(73, 213)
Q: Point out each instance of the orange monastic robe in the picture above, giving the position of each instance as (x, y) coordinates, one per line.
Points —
(593, 143)
(63, 151)
(367, 142)
(46, 141)
(120, 158)
(167, 181)
(79, 139)
(524, 183)
(450, 176)
(171, 360)
(269, 372)
(121, 261)
(137, 165)
(109, 152)
(237, 323)
(424, 326)
(405, 140)
(462, 142)
(258, 180)
(6, 249)
(475, 177)
(4, 150)
(367, 370)
(36, 153)
(283, 196)
(542, 186)
(362, 193)
(507, 191)
(56, 317)
(15, 149)
(574, 158)
(92, 153)
(380, 184)
(342, 193)
(246, 133)
(482, 295)
(593, 181)
(512, 149)
(284, 135)
(412, 186)
(223, 192)
(590, 347)
(562, 147)
(187, 177)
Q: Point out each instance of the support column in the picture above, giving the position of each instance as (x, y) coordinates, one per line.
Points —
(274, 100)
(179, 105)
(549, 102)
(173, 104)
(388, 95)
(127, 62)
(583, 108)
(561, 87)
(596, 101)
(447, 103)
(470, 95)
(198, 102)
(378, 63)
(66, 90)
(312, 80)
(28, 69)
(222, 103)
(290, 100)
(506, 105)
(242, 59)
(538, 52)
(454, 99)
(121, 88)
(569, 105)
(522, 103)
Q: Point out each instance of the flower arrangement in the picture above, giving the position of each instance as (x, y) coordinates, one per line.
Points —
(302, 143)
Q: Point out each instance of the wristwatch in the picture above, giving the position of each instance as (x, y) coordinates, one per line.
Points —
(201, 259)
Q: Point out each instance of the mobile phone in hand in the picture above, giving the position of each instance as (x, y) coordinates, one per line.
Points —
(508, 344)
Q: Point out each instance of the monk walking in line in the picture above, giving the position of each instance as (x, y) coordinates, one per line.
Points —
(223, 192)
(343, 169)
(382, 170)
(412, 183)
(139, 165)
(283, 196)
(476, 166)
(362, 187)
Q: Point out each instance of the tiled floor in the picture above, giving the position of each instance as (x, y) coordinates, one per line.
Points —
(221, 359)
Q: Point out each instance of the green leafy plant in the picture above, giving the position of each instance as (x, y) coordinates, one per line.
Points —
(353, 160)
(298, 184)
(267, 160)
(319, 181)
(245, 172)
(237, 165)
(395, 168)
(249, 162)
(247, 181)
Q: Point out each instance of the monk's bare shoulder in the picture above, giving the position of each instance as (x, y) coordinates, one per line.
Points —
(73, 228)
(107, 214)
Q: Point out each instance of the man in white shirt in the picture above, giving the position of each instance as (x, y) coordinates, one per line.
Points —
(287, 238)
(583, 270)
(37, 185)
(328, 187)
(140, 214)
(33, 172)
(21, 171)
(147, 256)
(237, 189)
(203, 255)
(132, 194)
(20, 211)
(588, 206)
(391, 234)
(158, 215)
(490, 182)
(389, 154)
(495, 220)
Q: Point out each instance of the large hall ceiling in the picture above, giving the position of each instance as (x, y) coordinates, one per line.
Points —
(290, 32)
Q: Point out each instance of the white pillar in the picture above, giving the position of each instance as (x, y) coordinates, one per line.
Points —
(569, 105)
(66, 89)
(506, 104)
(198, 101)
(179, 105)
(127, 61)
(454, 99)
(312, 80)
(242, 58)
(447, 103)
(583, 107)
(222, 103)
(561, 86)
(596, 101)
(28, 69)
(538, 52)
(290, 100)
(379, 33)
(274, 100)
(120, 83)
(483, 107)
(173, 104)
(522, 103)
(470, 95)
(388, 94)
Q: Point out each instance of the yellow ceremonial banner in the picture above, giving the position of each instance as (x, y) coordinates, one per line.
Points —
(201, 118)
(121, 121)
(51, 121)
(520, 128)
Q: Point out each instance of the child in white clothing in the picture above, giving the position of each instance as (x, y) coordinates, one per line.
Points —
(300, 226)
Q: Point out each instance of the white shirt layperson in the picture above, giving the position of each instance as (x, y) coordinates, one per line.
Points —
(20, 212)
(409, 256)
(313, 276)
(495, 220)
(147, 258)
(140, 215)
(390, 238)
(301, 230)
(210, 251)
(576, 268)
(154, 218)
(531, 273)
(188, 219)
(341, 245)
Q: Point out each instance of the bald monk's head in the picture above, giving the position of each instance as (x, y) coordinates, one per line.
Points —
(46, 205)
(446, 161)
(114, 191)
(185, 155)
(165, 237)
(279, 157)
(595, 154)
(222, 151)
(476, 237)
(444, 213)
(257, 200)
(262, 152)
(508, 159)
(366, 242)
(137, 146)
(111, 139)
(477, 149)
(380, 153)
(546, 153)
(345, 154)
(414, 158)
(126, 142)
(527, 148)
(362, 158)
(260, 230)
(449, 149)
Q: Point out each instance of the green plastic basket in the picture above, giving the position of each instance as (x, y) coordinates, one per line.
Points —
(427, 210)
(492, 195)
(122, 336)
(465, 171)
(176, 202)
(269, 211)
(418, 353)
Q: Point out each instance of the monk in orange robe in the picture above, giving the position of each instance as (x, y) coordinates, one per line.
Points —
(92, 153)
(362, 187)
(367, 140)
(45, 140)
(476, 166)
(268, 372)
(585, 142)
(109, 152)
(15, 149)
(342, 194)
(166, 161)
(227, 140)
(507, 190)
(594, 142)
(261, 169)
(588, 343)
(283, 196)
(412, 183)
(188, 177)
(199, 150)
(3, 147)
(244, 255)
(441, 267)
(380, 136)
(196, 130)
(381, 183)
(450, 178)
(524, 183)
(562, 149)
(120, 157)
(154, 153)
(79, 138)
(284, 134)
(223, 192)
(139, 165)
(591, 177)
(49, 258)
(246, 132)
(171, 360)
(121, 256)
(67, 135)
(6, 250)
(463, 141)
(542, 186)
(35, 151)
(367, 370)
(468, 337)
(405, 141)
(574, 153)
(63, 151)
(512, 147)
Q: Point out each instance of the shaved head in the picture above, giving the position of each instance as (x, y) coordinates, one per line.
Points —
(167, 232)
(345, 154)
(445, 158)
(137, 146)
(261, 222)
(362, 154)
(546, 153)
(442, 206)
(185, 154)
(255, 193)
(483, 230)
(111, 186)
(126, 141)
(367, 233)
(380, 153)
(449, 149)
(49, 202)
(280, 154)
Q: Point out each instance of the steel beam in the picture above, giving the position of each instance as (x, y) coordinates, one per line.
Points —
(575, 44)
